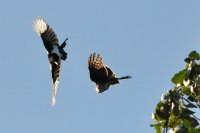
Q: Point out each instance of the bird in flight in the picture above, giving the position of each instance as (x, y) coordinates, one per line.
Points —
(101, 74)
(55, 51)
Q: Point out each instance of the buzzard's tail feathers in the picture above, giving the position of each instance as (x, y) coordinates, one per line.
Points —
(125, 77)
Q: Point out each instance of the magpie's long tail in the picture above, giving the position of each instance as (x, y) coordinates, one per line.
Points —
(125, 77)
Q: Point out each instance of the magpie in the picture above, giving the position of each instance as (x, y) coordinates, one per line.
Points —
(55, 51)
(101, 74)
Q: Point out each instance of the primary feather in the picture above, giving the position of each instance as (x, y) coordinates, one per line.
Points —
(48, 36)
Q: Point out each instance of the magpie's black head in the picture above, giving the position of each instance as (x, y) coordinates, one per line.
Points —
(64, 55)
(62, 51)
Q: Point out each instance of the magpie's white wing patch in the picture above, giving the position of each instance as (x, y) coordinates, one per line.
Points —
(46, 33)
(39, 26)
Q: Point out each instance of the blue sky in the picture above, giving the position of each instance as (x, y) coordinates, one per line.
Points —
(143, 38)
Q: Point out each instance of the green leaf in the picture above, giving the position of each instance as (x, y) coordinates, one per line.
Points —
(186, 122)
(179, 77)
(192, 130)
(197, 129)
(158, 128)
(194, 55)
(186, 91)
(187, 60)
(173, 122)
(162, 112)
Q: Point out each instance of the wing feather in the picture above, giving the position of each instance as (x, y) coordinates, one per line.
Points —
(101, 74)
(102, 87)
(112, 76)
(98, 72)
(46, 33)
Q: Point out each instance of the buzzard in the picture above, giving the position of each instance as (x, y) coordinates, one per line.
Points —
(55, 51)
(101, 74)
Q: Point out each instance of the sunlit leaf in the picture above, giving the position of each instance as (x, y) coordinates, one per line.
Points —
(186, 91)
(158, 128)
(179, 77)
(171, 113)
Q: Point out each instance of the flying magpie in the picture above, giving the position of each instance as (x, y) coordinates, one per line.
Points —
(55, 51)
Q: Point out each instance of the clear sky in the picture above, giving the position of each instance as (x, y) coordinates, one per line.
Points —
(147, 39)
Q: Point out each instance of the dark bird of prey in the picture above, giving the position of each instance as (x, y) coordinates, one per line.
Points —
(55, 51)
(101, 74)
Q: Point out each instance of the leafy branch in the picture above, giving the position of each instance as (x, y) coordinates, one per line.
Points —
(175, 109)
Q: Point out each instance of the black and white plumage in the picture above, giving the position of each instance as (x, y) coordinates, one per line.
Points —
(55, 51)
(101, 74)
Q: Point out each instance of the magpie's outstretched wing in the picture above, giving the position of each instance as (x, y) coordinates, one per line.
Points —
(46, 33)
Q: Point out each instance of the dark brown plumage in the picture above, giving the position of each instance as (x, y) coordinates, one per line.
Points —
(101, 74)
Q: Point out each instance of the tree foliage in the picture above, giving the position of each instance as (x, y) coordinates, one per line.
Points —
(175, 111)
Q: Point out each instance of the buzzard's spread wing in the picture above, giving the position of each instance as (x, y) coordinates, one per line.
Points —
(111, 76)
(100, 74)
(102, 87)
(47, 34)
